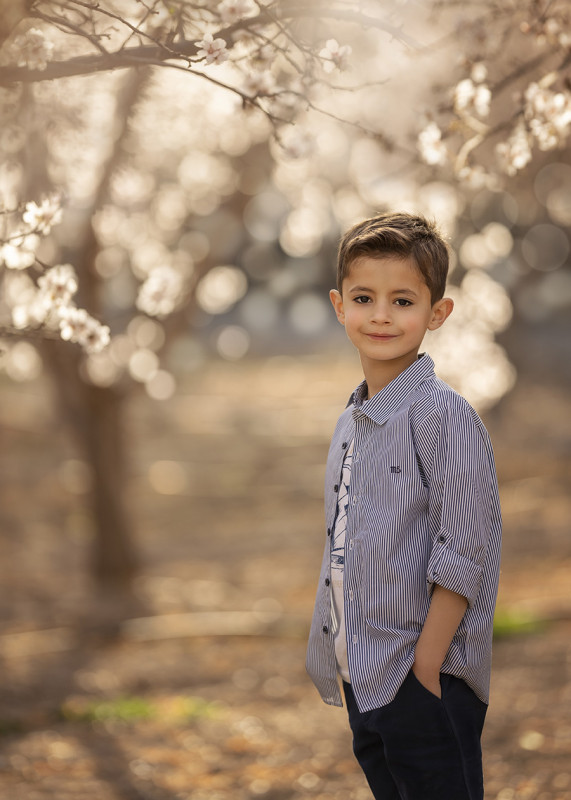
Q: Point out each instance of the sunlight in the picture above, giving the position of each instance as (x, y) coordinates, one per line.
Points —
(220, 289)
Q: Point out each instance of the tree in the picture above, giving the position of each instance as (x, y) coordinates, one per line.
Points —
(143, 116)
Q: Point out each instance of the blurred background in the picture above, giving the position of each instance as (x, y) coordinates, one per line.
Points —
(161, 497)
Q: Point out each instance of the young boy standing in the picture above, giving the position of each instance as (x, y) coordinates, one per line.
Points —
(409, 578)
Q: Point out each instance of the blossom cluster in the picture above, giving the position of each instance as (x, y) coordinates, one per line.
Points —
(548, 29)
(19, 252)
(48, 304)
(42, 217)
(160, 293)
(32, 49)
(430, 145)
(546, 121)
(76, 325)
(335, 56)
(232, 11)
(51, 305)
(471, 95)
(548, 114)
(515, 153)
(213, 51)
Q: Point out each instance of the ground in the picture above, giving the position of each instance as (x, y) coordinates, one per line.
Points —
(202, 693)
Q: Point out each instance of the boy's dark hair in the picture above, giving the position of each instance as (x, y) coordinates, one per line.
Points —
(401, 235)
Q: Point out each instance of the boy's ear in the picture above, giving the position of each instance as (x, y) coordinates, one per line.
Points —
(441, 310)
(337, 302)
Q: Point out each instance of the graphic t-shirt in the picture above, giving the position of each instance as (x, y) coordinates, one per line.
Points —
(338, 566)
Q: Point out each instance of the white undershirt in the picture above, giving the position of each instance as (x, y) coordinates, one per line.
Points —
(338, 567)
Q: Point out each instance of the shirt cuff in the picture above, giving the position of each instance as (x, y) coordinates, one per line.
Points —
(453, 571)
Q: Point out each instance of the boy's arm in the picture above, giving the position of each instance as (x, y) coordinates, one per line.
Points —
(444, 616)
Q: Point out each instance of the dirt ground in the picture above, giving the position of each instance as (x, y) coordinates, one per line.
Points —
(202, 694)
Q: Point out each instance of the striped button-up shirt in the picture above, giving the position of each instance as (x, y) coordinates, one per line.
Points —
(423, 510)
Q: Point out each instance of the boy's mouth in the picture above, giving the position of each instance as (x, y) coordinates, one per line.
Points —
(382, 336)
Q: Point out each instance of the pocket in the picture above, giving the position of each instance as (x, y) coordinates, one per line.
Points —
(420, 686)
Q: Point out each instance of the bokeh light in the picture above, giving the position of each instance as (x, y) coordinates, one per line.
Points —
(259, 310)
(101, 369)
(263, 215)
(161, 385)
(75, 476)
(545, 247)
(233, 342)
(552, 189)
(146, 333)
(168, 477)
(220, 289)
(143, 364)
(309, 314)
(302, 233)
(22, 362)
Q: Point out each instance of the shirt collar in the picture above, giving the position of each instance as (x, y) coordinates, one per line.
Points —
(383, 405)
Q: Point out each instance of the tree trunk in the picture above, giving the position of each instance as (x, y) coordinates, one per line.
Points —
(113, 556)
(95, 417)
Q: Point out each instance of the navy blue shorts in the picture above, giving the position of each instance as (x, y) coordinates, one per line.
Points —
(421, 747)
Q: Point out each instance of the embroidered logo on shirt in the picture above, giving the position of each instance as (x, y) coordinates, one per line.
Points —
(396, 469)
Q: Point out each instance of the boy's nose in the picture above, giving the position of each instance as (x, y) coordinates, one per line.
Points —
(381, 313)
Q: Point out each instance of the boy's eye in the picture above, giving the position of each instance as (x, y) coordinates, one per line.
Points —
(362, 298)
(402, 301)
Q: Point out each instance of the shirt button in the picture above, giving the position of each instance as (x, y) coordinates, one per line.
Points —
(350, 594)
(327, 581)
(329, 531)
(344, 445)
(336, 487)
(325, 629)
(442, 539)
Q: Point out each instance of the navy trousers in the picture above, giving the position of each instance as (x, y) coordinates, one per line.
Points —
(421, 747)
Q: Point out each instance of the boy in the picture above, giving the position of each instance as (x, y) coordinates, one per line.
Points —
(409, 578)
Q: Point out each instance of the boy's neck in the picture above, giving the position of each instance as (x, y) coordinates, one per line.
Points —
(378, 374)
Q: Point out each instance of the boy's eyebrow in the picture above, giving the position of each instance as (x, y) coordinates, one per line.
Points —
(357, 289)
(360, 289)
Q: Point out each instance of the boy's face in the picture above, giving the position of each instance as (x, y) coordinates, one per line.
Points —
(386, 309)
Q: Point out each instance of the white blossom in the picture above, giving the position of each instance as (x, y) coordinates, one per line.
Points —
(32, 49)
(76, 325)
(515, 154)
(30, 314)
(474, 177)
(548, 114)
(234, 10)
(470, 97)
(335, 56)
(479, 72)
(432, 148)
(212, 50)
(160, 293)
(57, 286)
(19, 252)
(41, 217)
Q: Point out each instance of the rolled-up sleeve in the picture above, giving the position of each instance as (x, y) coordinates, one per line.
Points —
(460, 502)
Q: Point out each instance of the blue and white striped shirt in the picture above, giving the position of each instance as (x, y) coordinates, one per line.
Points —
(423, 510)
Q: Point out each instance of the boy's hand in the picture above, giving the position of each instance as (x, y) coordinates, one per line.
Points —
(429, 679)
(444, 615)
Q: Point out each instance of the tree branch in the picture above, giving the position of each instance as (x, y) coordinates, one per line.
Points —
(158, 53)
